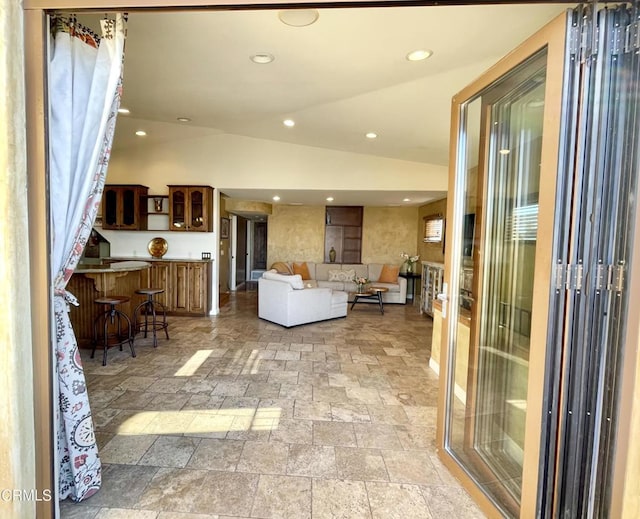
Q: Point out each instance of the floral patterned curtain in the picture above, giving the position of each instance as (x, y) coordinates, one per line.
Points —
(85, 77)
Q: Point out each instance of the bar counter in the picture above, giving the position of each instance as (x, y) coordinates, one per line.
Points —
(90, 282)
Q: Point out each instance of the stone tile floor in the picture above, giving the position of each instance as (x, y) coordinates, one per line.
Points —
(237, 417)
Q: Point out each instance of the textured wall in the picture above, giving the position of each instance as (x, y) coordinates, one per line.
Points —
(431, 251)
(296, 233)
(387, 232)
(17, 443)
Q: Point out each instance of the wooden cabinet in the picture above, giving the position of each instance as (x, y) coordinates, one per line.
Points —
(160, 277)
(185, 284)
(343, 232)
(189, 291)
(191, 208)
(124, 207)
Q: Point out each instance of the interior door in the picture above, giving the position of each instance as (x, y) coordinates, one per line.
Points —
(504, 165)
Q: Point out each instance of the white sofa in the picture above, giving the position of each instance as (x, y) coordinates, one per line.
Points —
(321, 273)
(284, 300)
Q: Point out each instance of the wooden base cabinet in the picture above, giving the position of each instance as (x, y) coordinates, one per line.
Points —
(185, 284)
(190, 288)
(160, 274)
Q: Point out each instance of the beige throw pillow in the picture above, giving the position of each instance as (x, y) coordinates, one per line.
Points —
(342, 275)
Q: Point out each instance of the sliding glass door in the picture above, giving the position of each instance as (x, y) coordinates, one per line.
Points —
(543, 183)
(496, 318)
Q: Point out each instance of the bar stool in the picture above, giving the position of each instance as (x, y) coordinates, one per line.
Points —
(150, 307)
(114, 318)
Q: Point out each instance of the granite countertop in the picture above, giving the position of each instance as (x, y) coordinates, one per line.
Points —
(121, 266)
(150, 259)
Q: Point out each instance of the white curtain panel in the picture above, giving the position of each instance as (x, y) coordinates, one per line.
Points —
(84, 94)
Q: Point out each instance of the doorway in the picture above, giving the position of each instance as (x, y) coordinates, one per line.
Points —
(39, 161)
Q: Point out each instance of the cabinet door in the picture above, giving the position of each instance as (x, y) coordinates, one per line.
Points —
(180, 300)
(178, 208)
(110, 208)
(197, 209)
(128, 208)
(161, 278)
(197, 288)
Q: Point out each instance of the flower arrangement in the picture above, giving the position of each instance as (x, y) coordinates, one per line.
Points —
(362, 283)
(409, 261)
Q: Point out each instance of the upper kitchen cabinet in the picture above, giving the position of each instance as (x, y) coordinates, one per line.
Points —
(124, 207)
(191, 208)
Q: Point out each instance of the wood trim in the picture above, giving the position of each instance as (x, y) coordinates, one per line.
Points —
(131, 5)
(39, 246)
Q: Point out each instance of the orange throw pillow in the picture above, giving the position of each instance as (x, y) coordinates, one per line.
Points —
(302, 269)
(281, 267)
(389, 274)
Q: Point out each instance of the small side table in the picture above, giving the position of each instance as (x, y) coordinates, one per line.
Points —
(371, 293)
(411, 283)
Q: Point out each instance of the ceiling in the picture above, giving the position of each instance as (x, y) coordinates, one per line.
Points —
(343, 76)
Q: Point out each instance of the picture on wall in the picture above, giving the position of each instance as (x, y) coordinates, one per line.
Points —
(224, 228)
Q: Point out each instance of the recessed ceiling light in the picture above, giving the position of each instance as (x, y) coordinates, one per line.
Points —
(184, 119)
(419, 55)
(504, 152)
(371, 135)
(276, 198)
(123, 111)
(262, 58)
(299, 17)
(329, 199)
(141, 133)
(406, 199)
(289, 123)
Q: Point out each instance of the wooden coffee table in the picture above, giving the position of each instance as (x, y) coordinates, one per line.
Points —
(372, 293)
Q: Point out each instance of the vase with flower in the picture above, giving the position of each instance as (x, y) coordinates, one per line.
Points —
(361, 284)
(409, 262)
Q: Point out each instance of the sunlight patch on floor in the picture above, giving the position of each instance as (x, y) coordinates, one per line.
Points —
(196, 422)
(192, 365)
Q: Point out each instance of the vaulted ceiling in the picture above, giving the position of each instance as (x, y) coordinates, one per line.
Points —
(339, 78)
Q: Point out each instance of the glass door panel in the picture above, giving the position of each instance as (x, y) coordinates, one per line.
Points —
(505, 145)
(197, 208)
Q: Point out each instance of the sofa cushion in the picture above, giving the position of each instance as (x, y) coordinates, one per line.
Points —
(302, 269)
(294, 280)
(358, 270)
(322, 271)
(389, 274)
(282, 267)
(334, 285)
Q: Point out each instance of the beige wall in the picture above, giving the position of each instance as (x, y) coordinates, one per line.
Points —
(17, 443)
(431, 251)
(387, 232)
(297, 233)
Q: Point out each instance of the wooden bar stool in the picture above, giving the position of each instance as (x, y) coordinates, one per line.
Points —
(152, 310)
(112, 318)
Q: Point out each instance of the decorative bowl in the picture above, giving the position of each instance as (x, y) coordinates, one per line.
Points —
(158, 247)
